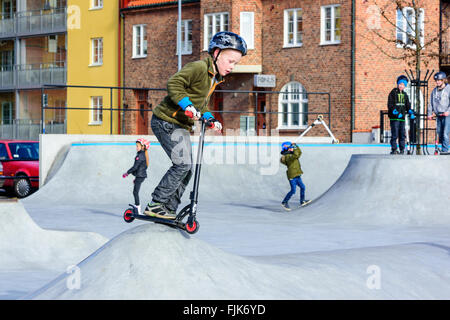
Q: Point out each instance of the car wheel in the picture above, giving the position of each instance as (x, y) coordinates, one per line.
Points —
(22, 187)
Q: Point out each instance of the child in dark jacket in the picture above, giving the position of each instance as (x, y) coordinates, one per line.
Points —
(139, 169)
(290, 157)
(398, 108)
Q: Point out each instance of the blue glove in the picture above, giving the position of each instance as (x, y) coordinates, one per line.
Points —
(411, 111)
(184, 103)
(400, 116)
(412, 116)
(395, 111)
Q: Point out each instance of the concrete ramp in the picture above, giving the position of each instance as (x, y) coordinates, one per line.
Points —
(384, 189)
(24, 245)
(156, 262)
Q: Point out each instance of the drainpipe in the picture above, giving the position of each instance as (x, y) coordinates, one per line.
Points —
(119, 96)
(353, 74)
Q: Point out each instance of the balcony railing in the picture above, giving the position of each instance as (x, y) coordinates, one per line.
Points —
(32, 75)
(29, 129)
(34, 22)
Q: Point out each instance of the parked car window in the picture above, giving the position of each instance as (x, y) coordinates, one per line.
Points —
(24, 150)
(3, 152)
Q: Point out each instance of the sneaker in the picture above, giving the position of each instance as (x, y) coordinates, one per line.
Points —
(394, 151)
(402, 152)
(156, 209)
(304, 202)
(285, 205)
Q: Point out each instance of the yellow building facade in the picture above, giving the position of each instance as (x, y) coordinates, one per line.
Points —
(92, 60)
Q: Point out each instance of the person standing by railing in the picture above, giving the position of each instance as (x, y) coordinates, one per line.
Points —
(440, 105)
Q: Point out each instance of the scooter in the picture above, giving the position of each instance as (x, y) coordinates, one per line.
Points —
(191, 226)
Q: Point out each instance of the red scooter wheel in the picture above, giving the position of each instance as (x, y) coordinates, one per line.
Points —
(192, 228)
(128, 215)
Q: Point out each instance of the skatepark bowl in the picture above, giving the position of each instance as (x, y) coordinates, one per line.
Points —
(377, 228)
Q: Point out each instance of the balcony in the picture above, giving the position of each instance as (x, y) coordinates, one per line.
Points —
(38, 22)
(32, 75)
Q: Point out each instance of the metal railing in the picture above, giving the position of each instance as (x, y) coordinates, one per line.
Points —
(34, 22)
(33, 75)
(319, 103)
(29, 129)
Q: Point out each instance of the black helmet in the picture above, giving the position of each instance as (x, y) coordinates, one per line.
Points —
(227, 40)
(440, 76)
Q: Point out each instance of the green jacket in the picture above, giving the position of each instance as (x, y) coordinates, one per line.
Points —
(197, 81)
(294, 168)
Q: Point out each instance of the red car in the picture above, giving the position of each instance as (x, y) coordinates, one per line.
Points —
(19, 166)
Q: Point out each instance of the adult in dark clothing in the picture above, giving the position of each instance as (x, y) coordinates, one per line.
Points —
(398, 108)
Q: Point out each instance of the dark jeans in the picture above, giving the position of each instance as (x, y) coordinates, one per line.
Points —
(137, 187)
(176, 142)
(297, 181)
(398, 132)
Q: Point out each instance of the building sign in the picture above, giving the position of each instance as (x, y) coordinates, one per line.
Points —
(265, 80)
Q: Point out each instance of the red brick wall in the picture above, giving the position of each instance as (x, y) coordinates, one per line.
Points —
(161, 61)
(319, 68)
(376, 72)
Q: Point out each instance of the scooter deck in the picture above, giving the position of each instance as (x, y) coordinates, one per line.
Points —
(168, 222)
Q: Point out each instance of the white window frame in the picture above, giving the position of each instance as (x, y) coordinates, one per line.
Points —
(96, 112)
(333, 40)
(216, 26)
(139, 38)
(96, 51)
(296, 42)
(96, 4)
(402, 27)
(291, 98)
(186, 44)
(247, 31)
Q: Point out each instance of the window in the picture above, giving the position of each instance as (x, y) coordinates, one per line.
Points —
(96, 4)
(247, 28)
(406, 25)
(293, 27)
(3, 155)
(293, 107)
(214, 23)
(139, 41)
(247, 124)
(97, 52)
(24, 150)
(96, 110)
(6, 113)
(186, 37)
(330, 30)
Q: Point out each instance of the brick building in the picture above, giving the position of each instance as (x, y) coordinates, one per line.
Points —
(315, 50)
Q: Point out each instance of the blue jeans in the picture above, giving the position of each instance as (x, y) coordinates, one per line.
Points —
(297, 181)
(443, 131)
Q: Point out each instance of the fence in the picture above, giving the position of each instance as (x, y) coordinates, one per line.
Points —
(28, 129)
(248, 111)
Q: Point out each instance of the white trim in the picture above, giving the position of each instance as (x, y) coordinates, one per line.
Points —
(221, 26)
(96, 7)
(99, 107)
(186, 49)
(100, 62)
(247, 31)
(404, 27)
(142, 42)
(289, 101)
(295, 43)
(333, 25)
